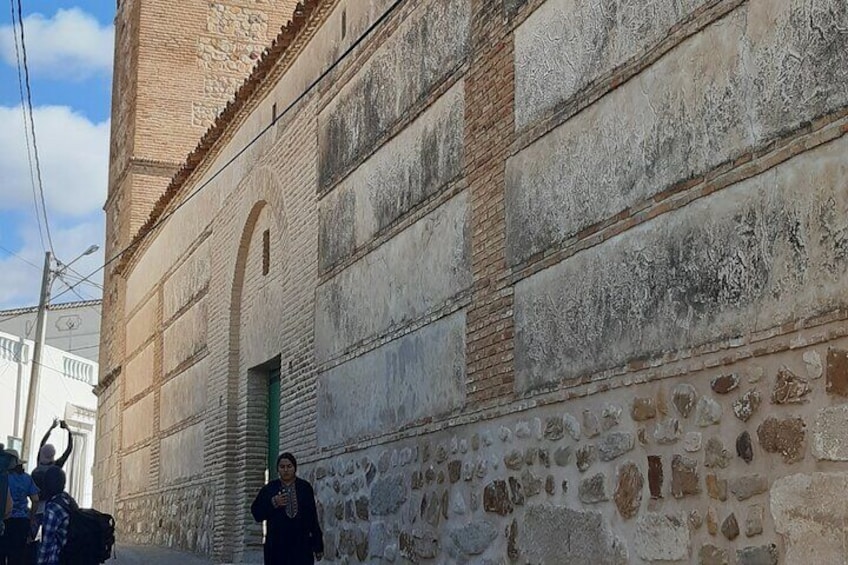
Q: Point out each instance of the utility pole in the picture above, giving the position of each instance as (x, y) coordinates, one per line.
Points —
(40, 330)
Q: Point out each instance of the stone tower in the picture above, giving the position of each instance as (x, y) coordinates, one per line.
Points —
(176, 66)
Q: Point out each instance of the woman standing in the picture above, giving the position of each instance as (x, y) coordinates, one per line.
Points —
(287, 504)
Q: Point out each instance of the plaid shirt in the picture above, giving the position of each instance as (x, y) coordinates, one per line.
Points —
(54, 532)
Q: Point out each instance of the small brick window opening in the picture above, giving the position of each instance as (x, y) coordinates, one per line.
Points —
(266, 252)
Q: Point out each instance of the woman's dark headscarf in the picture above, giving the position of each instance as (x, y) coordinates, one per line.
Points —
(54, 483)
(288, 456)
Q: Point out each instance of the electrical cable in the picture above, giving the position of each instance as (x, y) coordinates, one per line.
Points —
(13, 254)
(32, 126)
(26, 121)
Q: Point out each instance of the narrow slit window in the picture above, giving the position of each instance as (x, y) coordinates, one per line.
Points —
(266, 252)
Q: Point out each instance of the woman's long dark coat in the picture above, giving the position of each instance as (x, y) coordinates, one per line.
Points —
(289, 541)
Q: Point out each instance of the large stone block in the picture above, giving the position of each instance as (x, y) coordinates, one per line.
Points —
(135, 472)
(751, 257)
(409, 169)
(186, 336)
(566, 44)
(137, 423)
(190, 278)
(143, 324)
(555, 534)
(428, 46)
(185, 395)
(180, 453)
(662, 537)
(139, 372)
(418, 375)
(419, 269)
(733, 86)
(810, 512)
(830, 434)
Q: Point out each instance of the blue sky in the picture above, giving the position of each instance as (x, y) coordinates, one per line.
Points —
(69, 51)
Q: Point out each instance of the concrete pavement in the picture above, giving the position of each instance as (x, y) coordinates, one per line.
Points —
(146, 555)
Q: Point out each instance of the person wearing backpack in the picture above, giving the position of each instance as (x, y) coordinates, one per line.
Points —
(54, 533)
(46, 460)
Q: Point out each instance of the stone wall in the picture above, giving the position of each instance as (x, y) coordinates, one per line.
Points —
(545, 281)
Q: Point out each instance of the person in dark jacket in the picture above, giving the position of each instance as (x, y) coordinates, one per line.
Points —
(287, 504)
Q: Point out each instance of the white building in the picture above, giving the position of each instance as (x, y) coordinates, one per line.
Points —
(71, 326)
(65, 392)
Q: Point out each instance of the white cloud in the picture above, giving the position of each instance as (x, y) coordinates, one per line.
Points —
(74, 154)
(20, 282)
(71, 44)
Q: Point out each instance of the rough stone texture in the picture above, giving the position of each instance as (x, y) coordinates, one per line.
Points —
(420, 162)
(554, 429)
(593, 490)
(692, 442)
(591, 424)
(747, 405)
(419, 375)
(809, 511)
(725, 383)
(429, 45)
(558, 309)
(754, 520)
(420, 269)
(684, 397)
(716, 487)
(715, 454)
(643, 409)
(667, 431)
(830, 434)
(762, 555)
(555, 534)
(562, 456)
(837, 372)
(748, 486)
(496, 498)
(628, 491)
(789, 388)
(712, 521)
(712, 555)
(730, 527)
(785, 437)
(474, 538)
(708, 412)
(745, 447)
(655, 476)
(387, 495)
(661, 537)
(586, 456)
(685, 479)
(614, 445)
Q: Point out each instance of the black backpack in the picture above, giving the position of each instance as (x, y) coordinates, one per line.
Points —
(5, 460)
(91, 535)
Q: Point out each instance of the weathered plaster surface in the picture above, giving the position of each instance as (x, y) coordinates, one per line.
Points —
(184, 396)
(419, 269)
(187, 281)
(138, 421)
(142, 325)
(412, 167)
(704, 103)
(566, 44)
(419, 375)
(810, 511)
(135, 471)
(185, 336)
(180, 453)
(140, 371)
(430, 44)
(756, 255)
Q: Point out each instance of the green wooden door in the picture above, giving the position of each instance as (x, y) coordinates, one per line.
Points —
(273, 422)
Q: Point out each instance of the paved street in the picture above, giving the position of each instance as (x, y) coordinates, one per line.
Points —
(144, 555)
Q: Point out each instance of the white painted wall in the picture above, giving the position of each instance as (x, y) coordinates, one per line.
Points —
(65, 392)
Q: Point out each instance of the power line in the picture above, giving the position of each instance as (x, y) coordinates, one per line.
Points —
(32, 127)
(26, 129)
(13, 254)
(249, 144)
